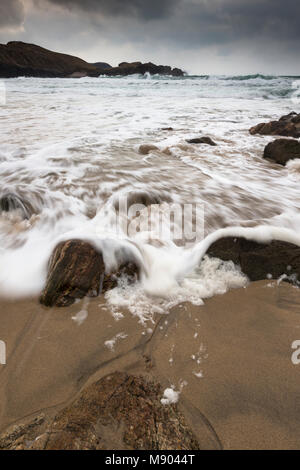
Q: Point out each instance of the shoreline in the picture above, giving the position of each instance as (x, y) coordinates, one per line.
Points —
(246, 397)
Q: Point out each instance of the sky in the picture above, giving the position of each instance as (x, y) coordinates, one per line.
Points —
(199, 36)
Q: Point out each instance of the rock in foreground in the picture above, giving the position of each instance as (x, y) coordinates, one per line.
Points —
(287, 126)
(120, 411)
(282, 150)
(75, 270)
(258, 260)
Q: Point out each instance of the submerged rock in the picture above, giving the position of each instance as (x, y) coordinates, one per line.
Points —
(259, 261)
(145, 149)
(287, 126)
(282, 150)
(119, 411)
(10, 202)
(129, 270)
(202, 140)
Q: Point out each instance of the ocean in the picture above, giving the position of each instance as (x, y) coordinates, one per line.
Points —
(71, 149)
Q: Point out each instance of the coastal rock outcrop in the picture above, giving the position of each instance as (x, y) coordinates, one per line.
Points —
(76, 270)
(132, 68)
(29, 60)
(22, 59)
(202, 140)
(287, 126)
(119, 411)
(260, 261)
(282, 150)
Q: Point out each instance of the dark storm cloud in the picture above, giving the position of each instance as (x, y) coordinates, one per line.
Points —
(185, 32)
(197, 22)
(11, 13)
(145, 9)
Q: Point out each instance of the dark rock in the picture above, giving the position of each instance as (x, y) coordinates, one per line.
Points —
(126, 68)
(22, 59)
(127, 269)
(75, 270)
(121, 412)
(282, 150)
(257, 260)
(202, 140)
(10, 202)
(102, 66)
(287, 126)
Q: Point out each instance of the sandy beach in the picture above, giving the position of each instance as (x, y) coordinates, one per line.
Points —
(230, 359)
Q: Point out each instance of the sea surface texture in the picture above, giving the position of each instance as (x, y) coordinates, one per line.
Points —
(70, 150)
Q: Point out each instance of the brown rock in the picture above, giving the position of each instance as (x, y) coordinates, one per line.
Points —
(287, 126)
(145, 149)
(127, 269)
(257, 260)
(202, 140)
(119, 412)
(282, 150)
(76, 270)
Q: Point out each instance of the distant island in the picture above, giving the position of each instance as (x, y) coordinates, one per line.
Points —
(22, 59)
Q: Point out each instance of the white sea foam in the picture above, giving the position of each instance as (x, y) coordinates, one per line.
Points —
(73, 164)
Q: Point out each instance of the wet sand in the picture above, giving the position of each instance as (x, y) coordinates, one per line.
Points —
(246, 391)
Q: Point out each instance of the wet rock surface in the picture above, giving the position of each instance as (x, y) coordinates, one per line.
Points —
(119, 411)
(258, 260)
(145, 149)
(287, 126)
(11, 202)
(75, 270)
(282, 150)
(202, 140)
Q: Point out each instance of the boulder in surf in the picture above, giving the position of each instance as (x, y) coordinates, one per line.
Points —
(287, 126)
(11, 202)
(202, 140)
(282, 150)
(260, 261)
(76, 270)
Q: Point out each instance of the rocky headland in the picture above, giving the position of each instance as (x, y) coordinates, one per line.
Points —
(29, 60)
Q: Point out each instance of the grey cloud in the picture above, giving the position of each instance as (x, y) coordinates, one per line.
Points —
(195, 23)
(144, 9)
(11, 13)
